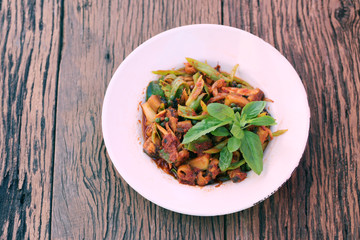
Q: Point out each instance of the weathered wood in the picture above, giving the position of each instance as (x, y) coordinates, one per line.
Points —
(322, 40)
(29, 52)
(90, 199)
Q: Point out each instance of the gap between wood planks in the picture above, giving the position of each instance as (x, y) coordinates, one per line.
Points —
(61, 39)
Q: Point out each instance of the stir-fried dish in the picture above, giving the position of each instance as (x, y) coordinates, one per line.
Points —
(203, 125)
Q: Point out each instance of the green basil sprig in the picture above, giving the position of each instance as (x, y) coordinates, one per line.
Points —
(220, 119)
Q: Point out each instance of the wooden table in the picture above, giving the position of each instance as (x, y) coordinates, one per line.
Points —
(56, 60)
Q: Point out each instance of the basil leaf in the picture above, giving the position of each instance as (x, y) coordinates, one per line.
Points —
(154, 89)
(220, 111)
(252, 152)
(262, 121)
(237, 131)
(237, 117)
(252, 109)
(220, 132)
(233, 144)
(225, 159)
(201, 128)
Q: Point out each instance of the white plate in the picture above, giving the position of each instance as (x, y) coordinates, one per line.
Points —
(260, 64)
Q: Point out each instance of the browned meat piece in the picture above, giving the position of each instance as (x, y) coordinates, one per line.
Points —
(184, 97)
(214, 169)
(208, 80)
(239, 91)
(219, 97)
(186, 174)
(173, 123)
(264, 133)
(218, 84)
(237, 99)
(171, 112)
(150, 148)
(236, 157)
(199, 147)
(182, 157)
(183, 126)
(172, 115)
(189, 69)
(217, 68)
(236, 175)
(161, 115)
(170, 144)
(148, 130)
(257, 96)
(202, 180)
(254, 94)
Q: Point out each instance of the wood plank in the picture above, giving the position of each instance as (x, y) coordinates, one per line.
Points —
(321, 40)
(29, 52)
(91, 201)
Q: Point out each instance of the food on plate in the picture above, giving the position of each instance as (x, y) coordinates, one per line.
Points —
(203, 125)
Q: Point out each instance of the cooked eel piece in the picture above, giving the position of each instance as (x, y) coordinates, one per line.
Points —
(186, 174)
(257, 96)
(239, 91)
(219, 97)
(170, 143)
(214, 169)
(149, 129)
(264, 133)
(237, 99)
(182, 157)
(202, 180)
(172, 115)
(253, 94)
(218, 84)
(236, 175)
(183, 126)
(201, 146)
(150, 148)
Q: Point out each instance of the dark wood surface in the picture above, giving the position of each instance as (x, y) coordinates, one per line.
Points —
(56, 60)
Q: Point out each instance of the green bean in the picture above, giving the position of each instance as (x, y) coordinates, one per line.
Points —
(217, 148)
(279, 132)
(195, 104)
(166, 72)
(189, 113)
(175, 85)
(196, 91)
(196, 77)
(236, 165)
(207, 70)
(233, 71)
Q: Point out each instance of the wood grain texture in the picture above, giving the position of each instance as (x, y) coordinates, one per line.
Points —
(46, 129)
(322, 41)
(91, 201)
(29, 52)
